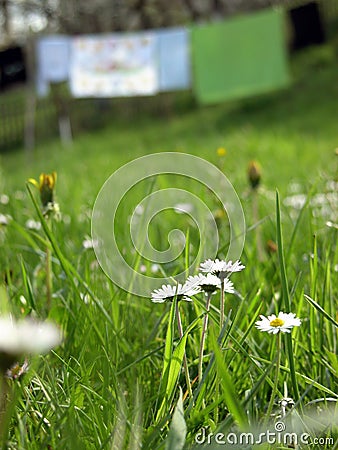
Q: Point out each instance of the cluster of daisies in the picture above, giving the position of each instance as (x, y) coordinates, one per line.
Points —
(215, 276)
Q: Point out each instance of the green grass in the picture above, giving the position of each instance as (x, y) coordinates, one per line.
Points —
(114, 382)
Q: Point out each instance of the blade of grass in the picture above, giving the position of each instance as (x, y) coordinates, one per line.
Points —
(168, 350)
(286, 297)
(65, 264)
(307, 379)
(297, 224)
(321, 310)
(178, 427)
(198, 394)
(229, 392)
(174, 369)
(28, 286)
(313, 289)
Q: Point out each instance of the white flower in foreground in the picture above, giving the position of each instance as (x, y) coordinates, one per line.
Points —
(168, 293)
(182, 208)
(296, 201)
(26, 337)
(4, 220)
(20, 195)
(17, 370)
(4, 199)
(143, 268)
(222, 269)
(209, 283)
(331, 224)
(139, 210)
(284, 323)
(154, 268)
(33, 225)
(85, 298)
(89, 243)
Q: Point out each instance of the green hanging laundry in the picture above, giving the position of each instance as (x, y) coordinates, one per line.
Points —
(239, 57)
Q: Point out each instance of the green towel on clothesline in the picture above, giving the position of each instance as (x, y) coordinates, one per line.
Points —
(241, 56)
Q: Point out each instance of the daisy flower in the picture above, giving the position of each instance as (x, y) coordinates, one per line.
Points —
(222, 269)
(284, 322)
(26, 336)
(33, 224)
(181, 208)
(169, 292)
(4, 199)
(16, 371)
(210, 283)
(4, 220)
(89, 243)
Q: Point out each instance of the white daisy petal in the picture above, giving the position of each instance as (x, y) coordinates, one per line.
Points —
(4, 199)
(228, 286)
(208, 283)
(221, 268)
(27, 336)
(168, 293)
(33, 224)
(207, 266)
(4, 219)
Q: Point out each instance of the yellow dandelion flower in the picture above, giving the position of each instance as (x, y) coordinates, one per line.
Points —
(221, 151)
(46, 187)
(254, 174)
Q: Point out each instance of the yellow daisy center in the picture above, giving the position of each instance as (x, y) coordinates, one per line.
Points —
(277, 322)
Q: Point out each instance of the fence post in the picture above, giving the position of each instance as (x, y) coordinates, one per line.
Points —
(30, 97)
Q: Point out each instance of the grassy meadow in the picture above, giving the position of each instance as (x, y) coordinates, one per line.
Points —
(115, 380)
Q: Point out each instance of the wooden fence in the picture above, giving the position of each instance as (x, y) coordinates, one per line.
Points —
(14, 115)
(11, 122)
(25, 121)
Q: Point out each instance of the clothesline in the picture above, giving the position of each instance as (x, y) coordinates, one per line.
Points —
(237, 57)
(116, 64)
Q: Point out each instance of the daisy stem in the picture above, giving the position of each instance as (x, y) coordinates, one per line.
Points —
(48, 277)
(49, 280)
(222, 304)
(221, 321)
(203, 337)
(275, 384)
(185, 362)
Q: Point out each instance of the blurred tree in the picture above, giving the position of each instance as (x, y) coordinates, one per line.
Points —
(4, 14)
(95, 16)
